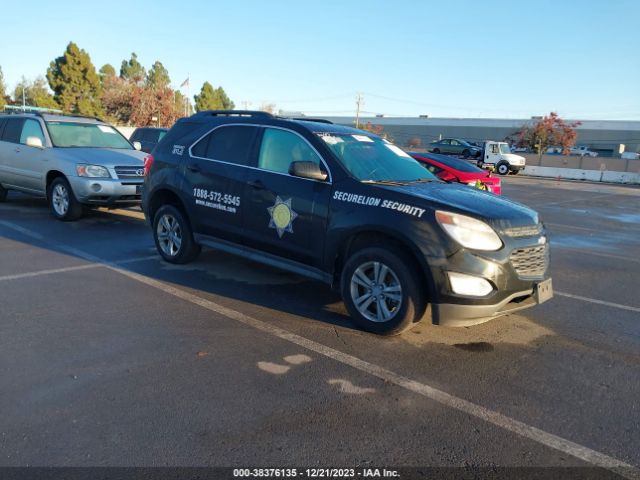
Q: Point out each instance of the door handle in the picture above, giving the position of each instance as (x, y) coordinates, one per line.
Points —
(194, 168)
(257, 184)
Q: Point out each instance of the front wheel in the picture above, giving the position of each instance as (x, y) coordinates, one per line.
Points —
(466, 153)
(436, 150)
(62, 201)
(173, 236)
(382, 291)
(480, 163)
(502, 168)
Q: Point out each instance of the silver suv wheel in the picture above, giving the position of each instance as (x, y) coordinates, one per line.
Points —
(60, 200)
(376, 291)
(169, 235)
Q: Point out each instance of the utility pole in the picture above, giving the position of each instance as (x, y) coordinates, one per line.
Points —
(359, 103)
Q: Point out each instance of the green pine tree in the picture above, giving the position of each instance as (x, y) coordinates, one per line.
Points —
(158, 76)
(132, 69)
(212, 99)
(75, 82)
(106, 71)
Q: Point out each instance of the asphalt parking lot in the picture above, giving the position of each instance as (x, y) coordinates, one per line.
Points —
(110, 357)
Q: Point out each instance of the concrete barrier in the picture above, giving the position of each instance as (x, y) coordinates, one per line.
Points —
(579, 174)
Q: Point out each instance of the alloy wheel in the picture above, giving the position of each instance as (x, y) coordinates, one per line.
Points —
(60, 200)
(376, 291)
(169, 235)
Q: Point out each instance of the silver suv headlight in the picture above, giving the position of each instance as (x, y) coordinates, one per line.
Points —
(93, 171)
(469, 232)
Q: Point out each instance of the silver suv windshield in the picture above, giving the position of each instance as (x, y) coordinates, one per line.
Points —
(90, 135)
(371, 159)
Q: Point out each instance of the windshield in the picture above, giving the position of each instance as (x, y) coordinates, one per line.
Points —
(373, 159)
(92, 135)
(504, 148)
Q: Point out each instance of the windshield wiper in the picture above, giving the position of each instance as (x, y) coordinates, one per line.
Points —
(422, 180)
(386, 182)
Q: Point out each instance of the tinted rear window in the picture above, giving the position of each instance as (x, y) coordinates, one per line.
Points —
(12, 130)
(228, 144)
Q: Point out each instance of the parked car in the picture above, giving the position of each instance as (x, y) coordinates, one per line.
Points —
(348, 208)
(455, 146)
(148, 137)
(457, 170)
(516, 149)
(582, 151)
(74, 161)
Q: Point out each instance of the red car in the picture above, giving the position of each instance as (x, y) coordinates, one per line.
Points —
(452, 169)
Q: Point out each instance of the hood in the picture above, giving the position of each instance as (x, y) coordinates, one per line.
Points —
(513, 158)
(107, 157)
(500, 212)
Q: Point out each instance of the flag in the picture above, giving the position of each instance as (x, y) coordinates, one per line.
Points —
(185, 83)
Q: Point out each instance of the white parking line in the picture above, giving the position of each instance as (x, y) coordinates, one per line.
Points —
(88, 266)
(599, 302)
(507, 423)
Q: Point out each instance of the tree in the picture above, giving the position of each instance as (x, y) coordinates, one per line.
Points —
(376, 130)
(550, 130)
(36, 93)
(158, 76)
(106, 71)
(132, 69)
(414, 142)
(3, 91)
(212, 99)
(75, 82)
(117, 99)
(268, 107)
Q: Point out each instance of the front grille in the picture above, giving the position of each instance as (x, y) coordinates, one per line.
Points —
(530, 262)
(130, 173)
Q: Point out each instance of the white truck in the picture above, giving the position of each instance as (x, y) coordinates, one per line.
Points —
(498, 156)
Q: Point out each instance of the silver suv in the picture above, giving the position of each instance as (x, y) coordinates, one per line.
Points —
(75, 161)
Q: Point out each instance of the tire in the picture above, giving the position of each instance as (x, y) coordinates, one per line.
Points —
(3, 194)
(62, 201)
(502, 168)
(466, 153)
(173, 236)
(480, 163)
(436, 150)
(401, 281)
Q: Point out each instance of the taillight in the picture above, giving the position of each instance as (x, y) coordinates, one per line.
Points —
(148, 161)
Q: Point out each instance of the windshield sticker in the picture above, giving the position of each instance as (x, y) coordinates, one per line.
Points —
(106, 129)
(216, 200)
(362, 138)
(282, 216)
(397, 150)
(331, 139)
(378, 202)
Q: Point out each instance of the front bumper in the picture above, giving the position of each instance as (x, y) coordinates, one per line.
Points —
(106, 191)
(516, 168)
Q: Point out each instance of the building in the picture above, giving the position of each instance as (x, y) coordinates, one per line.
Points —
(602, 136)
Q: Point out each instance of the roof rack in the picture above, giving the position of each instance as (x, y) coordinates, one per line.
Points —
(30, 109)
(233, 113)
(311, 119)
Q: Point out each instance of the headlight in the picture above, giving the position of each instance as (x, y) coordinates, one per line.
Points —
(92, 171)
(469, 232)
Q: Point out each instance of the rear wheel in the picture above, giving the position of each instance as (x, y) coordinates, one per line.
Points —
(382, 291)
(62, 201)
(173, 236)
(3, 194)
(502, 168)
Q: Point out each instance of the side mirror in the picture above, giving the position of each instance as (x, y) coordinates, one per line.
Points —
(137, 146)
(34, 142)
(309, 170)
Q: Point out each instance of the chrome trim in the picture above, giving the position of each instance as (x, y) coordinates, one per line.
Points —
(329, 181)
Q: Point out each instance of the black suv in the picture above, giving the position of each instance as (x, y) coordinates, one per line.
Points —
(348, 208)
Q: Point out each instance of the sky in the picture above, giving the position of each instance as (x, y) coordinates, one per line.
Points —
(454, 58)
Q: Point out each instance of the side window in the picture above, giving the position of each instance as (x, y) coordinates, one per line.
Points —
(31, 128)
(445, 142)
(161, 134)
(231, 144)
(494, 148)
(432, 168)
(12, 130)
(455, 142)
(279, 148)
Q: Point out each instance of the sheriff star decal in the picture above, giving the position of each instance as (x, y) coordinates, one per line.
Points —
(282, 216)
